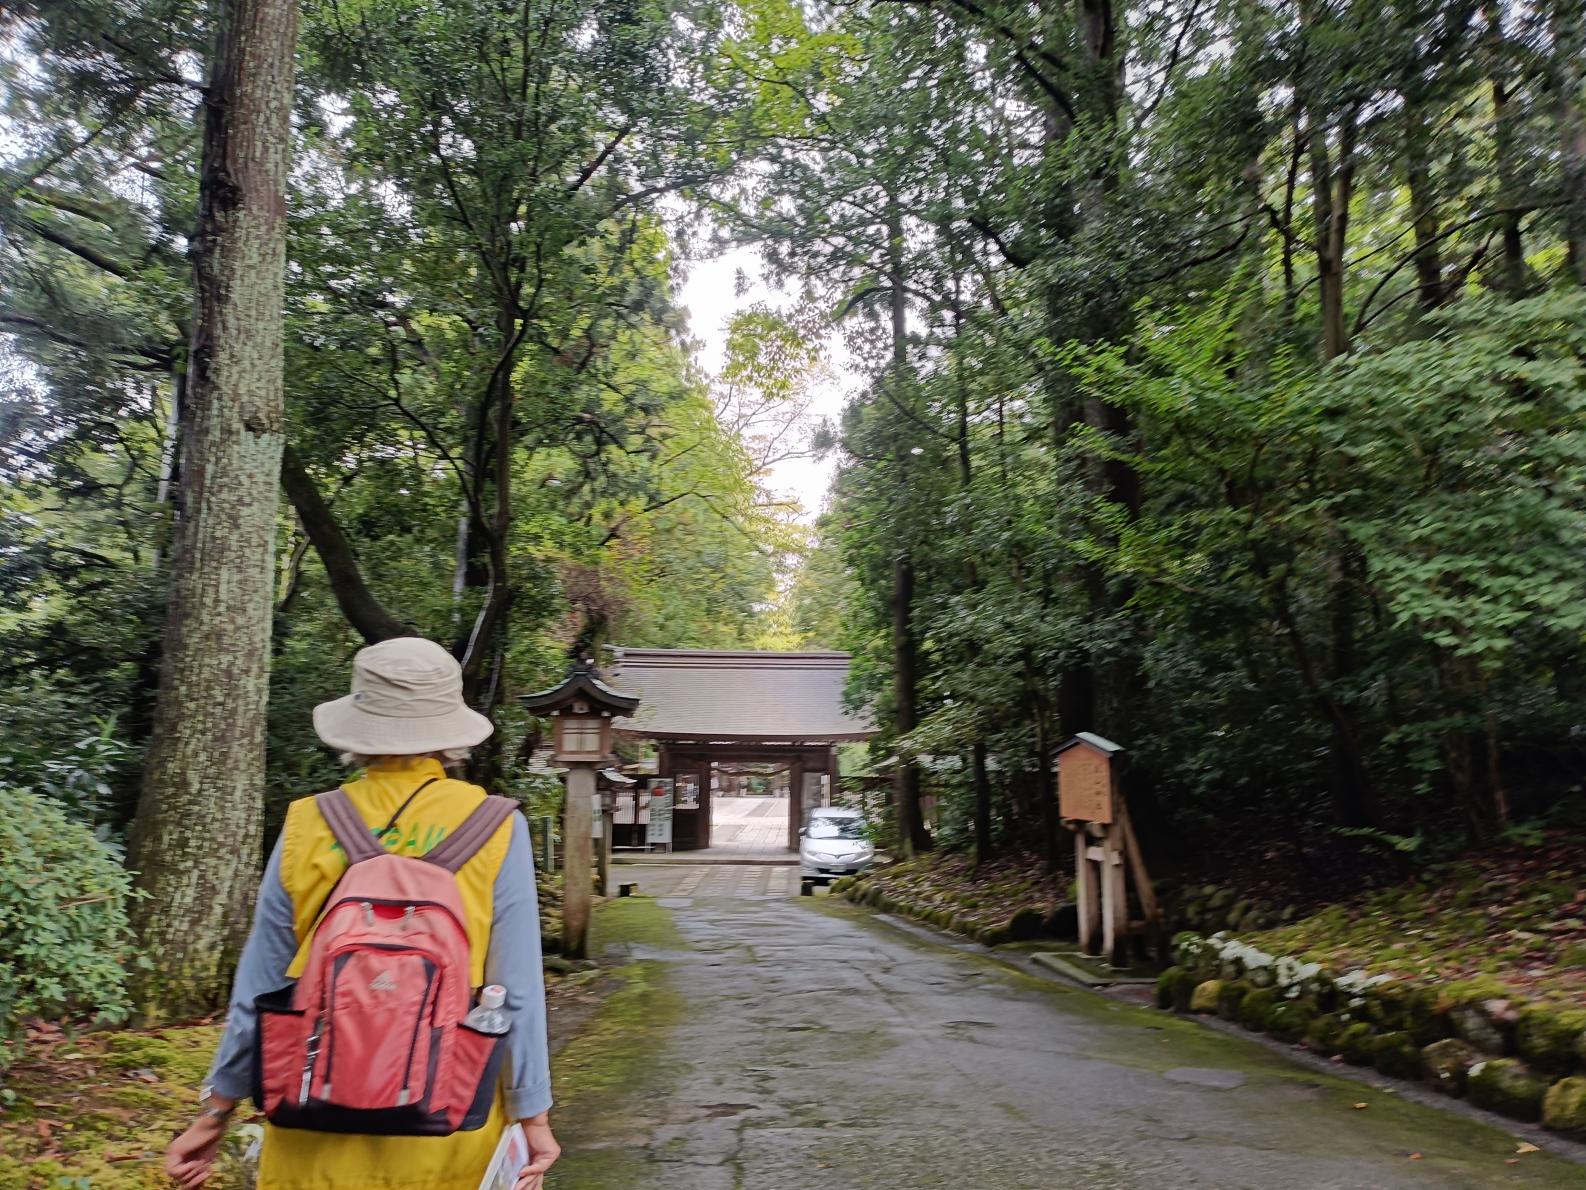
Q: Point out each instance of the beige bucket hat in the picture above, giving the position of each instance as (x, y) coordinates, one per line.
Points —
(407, 698)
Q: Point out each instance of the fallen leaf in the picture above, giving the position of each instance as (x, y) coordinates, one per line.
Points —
(1526, 1147)
(1361, 1106)
(1415, 1156)
(144, 1076)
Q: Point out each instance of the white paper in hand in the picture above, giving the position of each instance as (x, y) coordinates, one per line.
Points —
(512, 1154)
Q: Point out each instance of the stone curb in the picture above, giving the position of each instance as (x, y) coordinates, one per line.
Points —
(1523, 1061)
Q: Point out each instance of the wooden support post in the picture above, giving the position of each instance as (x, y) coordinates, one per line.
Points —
(576, 859)
(1114, 899)
(1156, 934)
(603, 857)
(1089, 893)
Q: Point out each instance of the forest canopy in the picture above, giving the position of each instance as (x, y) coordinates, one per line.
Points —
(1219, 386)
(498, 436)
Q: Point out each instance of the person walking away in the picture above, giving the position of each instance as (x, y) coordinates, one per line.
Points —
(401, 1115)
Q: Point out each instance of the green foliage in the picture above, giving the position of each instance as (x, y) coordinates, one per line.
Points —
(74, 772)
(64, 938)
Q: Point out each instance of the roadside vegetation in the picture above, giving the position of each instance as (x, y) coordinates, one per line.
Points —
(1512, 917)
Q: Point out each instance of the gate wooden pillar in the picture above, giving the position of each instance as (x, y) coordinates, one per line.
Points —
(795, 801)
(705, 764)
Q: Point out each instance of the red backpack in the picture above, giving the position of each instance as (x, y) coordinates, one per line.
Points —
(371, 1039)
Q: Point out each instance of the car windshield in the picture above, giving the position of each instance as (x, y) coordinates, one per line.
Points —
(836, 828)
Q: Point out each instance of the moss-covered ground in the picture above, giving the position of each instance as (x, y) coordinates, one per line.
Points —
(95, 1112)
(1512, 917)
(606, 1075)
(980, 897)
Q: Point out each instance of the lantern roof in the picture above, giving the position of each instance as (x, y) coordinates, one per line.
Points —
(583, 681)
(1100, 743)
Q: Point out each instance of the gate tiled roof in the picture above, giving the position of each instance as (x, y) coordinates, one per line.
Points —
(737, 697)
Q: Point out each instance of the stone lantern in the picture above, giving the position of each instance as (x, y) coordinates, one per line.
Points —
(582, 709)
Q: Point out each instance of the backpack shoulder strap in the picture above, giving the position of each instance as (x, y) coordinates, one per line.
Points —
(348, 826)
(457, 848)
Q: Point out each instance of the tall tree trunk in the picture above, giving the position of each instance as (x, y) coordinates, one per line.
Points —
(1332, 190)
(196, 840)
(979, 769)
(1423, 204)
(1101, 315)
(1569, 100)
(1332, 187)
(1503, 135)
(982, 776)
(483, 654)
(913, 836)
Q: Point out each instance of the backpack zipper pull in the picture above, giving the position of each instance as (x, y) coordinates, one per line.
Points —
(368, 914)
(407, 917)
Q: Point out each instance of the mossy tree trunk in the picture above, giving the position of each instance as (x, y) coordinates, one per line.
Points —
(913, 837)
(196, 840)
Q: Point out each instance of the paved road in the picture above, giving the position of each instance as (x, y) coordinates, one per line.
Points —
(797, 1044)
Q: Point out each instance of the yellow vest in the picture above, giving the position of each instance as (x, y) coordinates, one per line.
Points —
(311, 863)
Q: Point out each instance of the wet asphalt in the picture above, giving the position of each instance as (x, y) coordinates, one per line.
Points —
(801, 1044)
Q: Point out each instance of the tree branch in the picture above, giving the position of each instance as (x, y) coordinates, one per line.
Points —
(364, 612)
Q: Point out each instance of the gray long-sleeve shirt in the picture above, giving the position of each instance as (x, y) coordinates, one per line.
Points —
(513, 961)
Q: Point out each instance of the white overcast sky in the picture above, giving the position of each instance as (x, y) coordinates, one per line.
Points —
(711, 298)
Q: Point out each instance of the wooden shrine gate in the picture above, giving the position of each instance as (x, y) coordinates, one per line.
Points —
(704, 707)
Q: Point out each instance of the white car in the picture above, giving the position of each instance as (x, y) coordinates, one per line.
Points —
(834, 844)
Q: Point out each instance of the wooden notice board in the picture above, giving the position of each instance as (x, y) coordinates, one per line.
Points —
(1084, 784)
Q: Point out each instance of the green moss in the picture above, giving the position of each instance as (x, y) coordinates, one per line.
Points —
(1231, 997)
(1167, 987)
(1546, 1037)
(1427, 1016)
(614, 1055)
(1321, 1035)
(1506, 1086)
(1184, 991)
(1354, 1043)
(1204, 998)
(635, 921)
(1287, 1021)
(183, 1053)
(1564, 1107)
(115, 1134)
(1388, 1007)
(1397, 1056)
(1257, 1008)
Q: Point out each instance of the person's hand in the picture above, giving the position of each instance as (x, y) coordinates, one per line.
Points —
(543, 1152)
(191, 1156)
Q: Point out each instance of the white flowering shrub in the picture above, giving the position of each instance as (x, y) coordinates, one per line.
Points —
(1290, 976)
